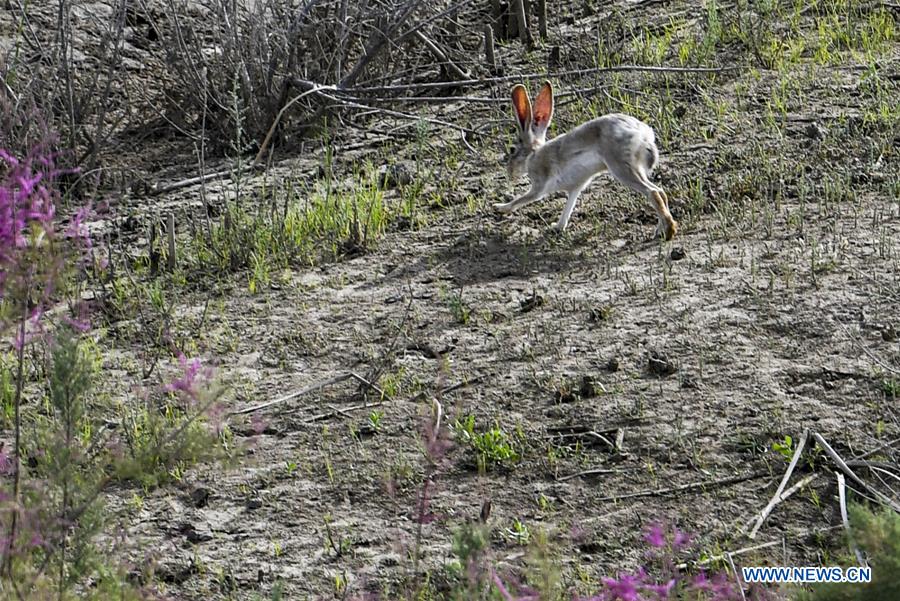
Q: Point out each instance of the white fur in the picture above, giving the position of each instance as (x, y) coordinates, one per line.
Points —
(619, 144)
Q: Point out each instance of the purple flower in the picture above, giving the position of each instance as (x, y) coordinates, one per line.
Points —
(23, 204)
(530, 595)
(187, 382)
(501, 587)
(655, 536)
(623, 588)
(681, 540)
(718, 586)
(662, 591)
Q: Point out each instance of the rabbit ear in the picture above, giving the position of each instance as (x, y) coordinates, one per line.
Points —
(543, 109)
(522, 106)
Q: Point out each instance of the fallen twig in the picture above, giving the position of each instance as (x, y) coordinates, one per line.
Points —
(841, 465)
(313, 88)
(687, 487)
(295, 394)
(336, 411)
(440, 55)
(158, 189)
(533, 76)
(776, 498)
(842, 499)
(716, 558)
(589, 473)
(871, 355)
(737, 576)
(448, 389)
(885, 445)
(364, 382)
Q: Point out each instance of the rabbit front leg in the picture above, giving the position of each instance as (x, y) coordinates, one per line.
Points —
(570, 207)
(533, 195)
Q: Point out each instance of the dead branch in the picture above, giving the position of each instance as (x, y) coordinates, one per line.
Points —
(158, 189)
(367, 384)
(842, 499)
(657, 492)
(295, 394)
(487, 81)
(858, 343)
(776, 498)
(717, 558)
(449, 389)
(841, 465)
(595, 472)
(441, 56)
(345, 411)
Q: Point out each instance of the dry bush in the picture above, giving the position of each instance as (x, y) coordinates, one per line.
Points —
(121, 77)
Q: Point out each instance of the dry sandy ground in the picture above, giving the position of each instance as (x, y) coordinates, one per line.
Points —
(660, 367)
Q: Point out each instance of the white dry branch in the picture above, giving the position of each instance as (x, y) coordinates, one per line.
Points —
(778, 497)
(841, 465)
(842, 499)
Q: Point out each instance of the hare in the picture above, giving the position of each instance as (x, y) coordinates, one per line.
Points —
(618, 143)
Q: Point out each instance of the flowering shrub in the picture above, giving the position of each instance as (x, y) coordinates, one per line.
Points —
(659, 579)
(62, 457)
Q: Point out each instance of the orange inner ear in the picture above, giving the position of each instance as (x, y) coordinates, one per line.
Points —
(522, 105)
(543, 106)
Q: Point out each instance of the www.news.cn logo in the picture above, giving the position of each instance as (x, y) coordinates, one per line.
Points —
(807, 574)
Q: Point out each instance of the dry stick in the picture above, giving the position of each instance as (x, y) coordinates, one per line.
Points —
(319, 386)
(588, 473)
(368, 384)
(463, 130)
(441, 56)
(170, 238)
(737, 577)
(886, 445)
(601, 438)
(431, 99)
(489, 55)
(844, 468)
(686, 487)
(871, 355)
(842, 498)
(449, 389)
(391, 113)
(335, 411)
(542, 18)
(714, 558)
(156, 190)
(870, 464)
(776, 498)
(295, 394)
(779, 498)
(486, 81)
(876, 469)
(497, 18)
(265, 144)
(522, 22)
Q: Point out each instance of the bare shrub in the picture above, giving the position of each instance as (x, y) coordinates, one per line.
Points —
(219, 70)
